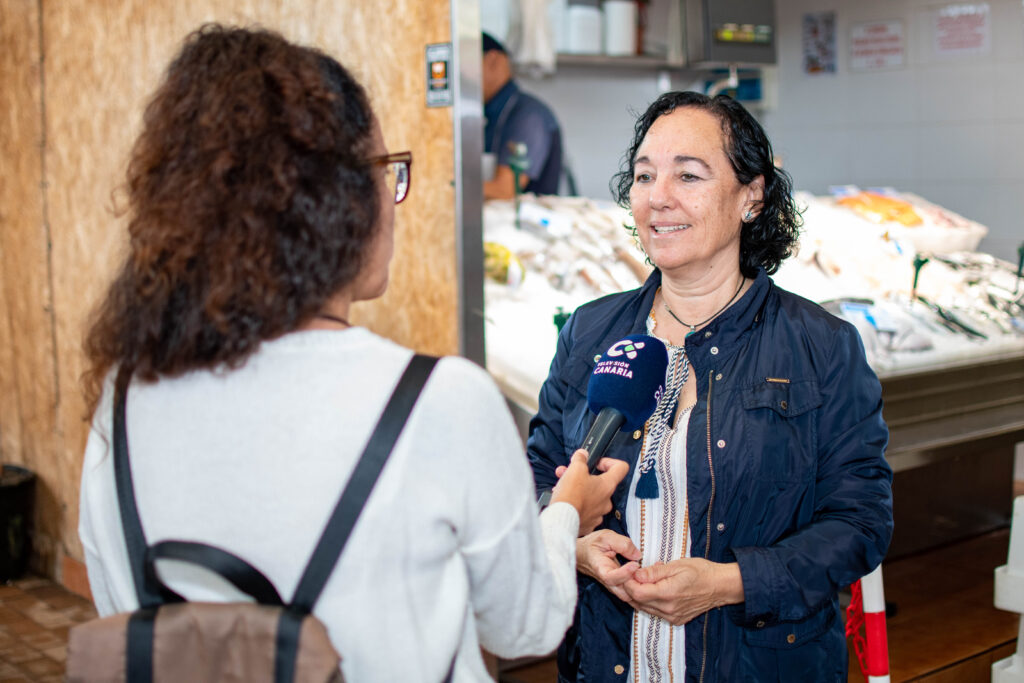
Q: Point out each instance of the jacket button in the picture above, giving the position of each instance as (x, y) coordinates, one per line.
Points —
(618, 515)
(619, 669)
(721, 526)
(718, 376)
(714, 350)
(707, 334)
(637, 434)
(760, 624)
(721, 443)
(791, 638)
(784, 405)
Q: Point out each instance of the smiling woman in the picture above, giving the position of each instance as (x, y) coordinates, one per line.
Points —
(687, 204)
(751, 501)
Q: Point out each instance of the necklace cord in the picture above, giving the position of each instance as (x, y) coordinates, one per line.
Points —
(339, 319)
(693, 328)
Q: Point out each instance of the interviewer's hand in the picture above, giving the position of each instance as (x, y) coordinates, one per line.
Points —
(595, 556)
(591, 495)
(680, 590)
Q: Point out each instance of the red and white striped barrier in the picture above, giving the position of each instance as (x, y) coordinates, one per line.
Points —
(867, 609)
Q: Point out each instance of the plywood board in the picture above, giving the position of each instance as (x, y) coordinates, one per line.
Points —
(104, 59)
(28, 383)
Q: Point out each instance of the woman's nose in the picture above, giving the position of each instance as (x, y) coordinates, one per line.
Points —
(660, 196)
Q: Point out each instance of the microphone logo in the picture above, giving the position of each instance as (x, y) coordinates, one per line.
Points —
(627, 347)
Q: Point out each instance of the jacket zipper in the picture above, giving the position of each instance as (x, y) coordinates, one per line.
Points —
(707, 544)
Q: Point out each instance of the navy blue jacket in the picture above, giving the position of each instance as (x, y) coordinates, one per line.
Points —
(786, 475)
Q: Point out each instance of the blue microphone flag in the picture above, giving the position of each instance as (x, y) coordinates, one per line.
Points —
(629, 378)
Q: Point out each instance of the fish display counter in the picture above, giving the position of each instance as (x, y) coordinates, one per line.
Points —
(942, 325)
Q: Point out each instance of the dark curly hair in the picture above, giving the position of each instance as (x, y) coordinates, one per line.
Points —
(770, 238)
(250, 203)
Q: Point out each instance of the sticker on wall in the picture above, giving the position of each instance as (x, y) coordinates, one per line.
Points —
(962, 29)
(819, 43)
(439, 76)
(877, 45)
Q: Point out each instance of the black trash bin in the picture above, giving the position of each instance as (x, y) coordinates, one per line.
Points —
(17, 486)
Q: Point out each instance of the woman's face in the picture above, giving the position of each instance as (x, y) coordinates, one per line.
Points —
(686, 200)
(373, 278)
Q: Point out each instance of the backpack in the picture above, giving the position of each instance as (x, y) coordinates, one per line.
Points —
(170, 639)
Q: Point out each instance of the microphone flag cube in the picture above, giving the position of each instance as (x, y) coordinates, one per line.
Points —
(629, 378)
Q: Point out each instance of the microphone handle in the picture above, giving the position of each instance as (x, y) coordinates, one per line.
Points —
(596, 442)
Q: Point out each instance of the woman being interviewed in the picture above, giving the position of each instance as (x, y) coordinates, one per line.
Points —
(261, 206)
(759, 487)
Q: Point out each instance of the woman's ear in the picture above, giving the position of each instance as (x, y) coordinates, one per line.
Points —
(755, 195)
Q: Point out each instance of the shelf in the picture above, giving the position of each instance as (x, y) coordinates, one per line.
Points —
(627, 62)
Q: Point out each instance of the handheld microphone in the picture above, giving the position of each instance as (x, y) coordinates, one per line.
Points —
(624, 390)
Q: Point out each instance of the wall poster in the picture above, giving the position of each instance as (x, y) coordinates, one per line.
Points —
(877, 45)
(962, 29)
(819, 43)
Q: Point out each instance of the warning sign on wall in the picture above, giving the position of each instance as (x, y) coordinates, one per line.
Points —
(439, 83)
(877, 45)
(963, 29)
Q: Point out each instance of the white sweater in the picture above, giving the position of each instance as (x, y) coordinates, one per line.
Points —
(448, 553)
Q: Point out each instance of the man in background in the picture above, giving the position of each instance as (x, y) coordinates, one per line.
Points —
(516, 117)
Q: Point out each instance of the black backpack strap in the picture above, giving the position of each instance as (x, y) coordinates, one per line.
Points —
(135, 540)
(228, 566)
(346, 512)
(363, 478)
(139, 645)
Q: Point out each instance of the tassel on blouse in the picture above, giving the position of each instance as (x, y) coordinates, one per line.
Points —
(647, 485)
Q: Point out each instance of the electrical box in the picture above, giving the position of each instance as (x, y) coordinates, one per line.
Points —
(723, 32)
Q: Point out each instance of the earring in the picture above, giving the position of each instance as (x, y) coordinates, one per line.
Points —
(749, 216)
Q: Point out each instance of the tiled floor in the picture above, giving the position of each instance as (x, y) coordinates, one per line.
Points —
(35, 616)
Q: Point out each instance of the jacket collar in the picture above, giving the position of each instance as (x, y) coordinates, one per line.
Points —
(728, 327)
(598, 331)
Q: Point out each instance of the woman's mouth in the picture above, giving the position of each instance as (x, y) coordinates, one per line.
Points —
(665, 229)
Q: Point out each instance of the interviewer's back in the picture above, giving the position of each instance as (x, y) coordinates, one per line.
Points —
(261, 199)
(253, 460)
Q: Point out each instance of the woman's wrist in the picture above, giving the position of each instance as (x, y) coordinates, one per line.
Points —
(567, 492)
(728, 584)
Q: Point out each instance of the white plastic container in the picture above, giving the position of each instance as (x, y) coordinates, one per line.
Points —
(583, 30)
(620, 18)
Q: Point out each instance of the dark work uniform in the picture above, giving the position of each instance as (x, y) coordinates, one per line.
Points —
(515, 116)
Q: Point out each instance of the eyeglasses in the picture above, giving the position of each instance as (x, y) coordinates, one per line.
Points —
(397, 174)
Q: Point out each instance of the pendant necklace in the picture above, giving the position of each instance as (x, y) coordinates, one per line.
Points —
(693, 328)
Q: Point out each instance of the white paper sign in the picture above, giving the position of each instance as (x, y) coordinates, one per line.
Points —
(964, 29)
(877, 45)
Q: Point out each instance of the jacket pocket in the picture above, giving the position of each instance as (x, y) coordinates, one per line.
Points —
(780, 426)
(809, 650)
(788, 398)
(791, 635)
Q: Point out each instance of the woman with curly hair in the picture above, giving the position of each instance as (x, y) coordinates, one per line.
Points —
(261, 201)
(759, 486)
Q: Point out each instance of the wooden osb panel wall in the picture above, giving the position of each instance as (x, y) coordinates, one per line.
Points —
(102, 61)
(28, 383)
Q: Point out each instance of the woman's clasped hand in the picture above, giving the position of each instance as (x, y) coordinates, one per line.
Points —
(676, 591)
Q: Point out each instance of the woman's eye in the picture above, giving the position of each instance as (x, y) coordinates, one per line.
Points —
(642, 178)
(688, 177)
